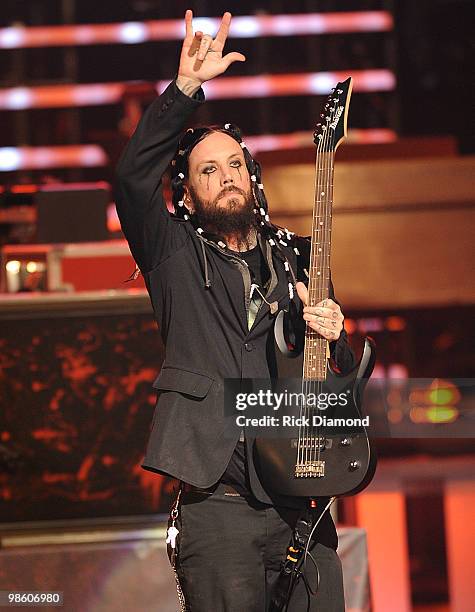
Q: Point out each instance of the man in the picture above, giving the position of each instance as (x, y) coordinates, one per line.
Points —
(218, 272)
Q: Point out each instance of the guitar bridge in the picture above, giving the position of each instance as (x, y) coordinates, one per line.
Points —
(312, 469)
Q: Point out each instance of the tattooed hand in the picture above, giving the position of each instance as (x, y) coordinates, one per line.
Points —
(325, 317)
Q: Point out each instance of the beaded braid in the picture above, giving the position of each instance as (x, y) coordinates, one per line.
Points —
(274, 234)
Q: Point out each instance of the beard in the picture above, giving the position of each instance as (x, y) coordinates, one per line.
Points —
(236, 219)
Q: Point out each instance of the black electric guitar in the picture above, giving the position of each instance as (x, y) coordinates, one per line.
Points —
(327, 452)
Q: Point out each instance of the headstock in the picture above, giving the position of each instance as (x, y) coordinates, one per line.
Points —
(331, 129)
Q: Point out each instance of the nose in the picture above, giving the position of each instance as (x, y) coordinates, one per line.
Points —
(226, 178)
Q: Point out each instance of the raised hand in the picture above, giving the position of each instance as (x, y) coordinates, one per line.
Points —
(201, 56)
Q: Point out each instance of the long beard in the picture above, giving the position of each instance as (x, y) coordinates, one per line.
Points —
(237, 219)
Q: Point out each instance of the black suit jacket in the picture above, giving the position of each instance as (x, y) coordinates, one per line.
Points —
(204, 330)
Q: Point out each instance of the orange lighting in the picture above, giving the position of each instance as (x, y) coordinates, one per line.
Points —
(31, 158)
(23, 188)
(57, 96)
(173, 29)
(395, 415)
(296, 140)
(395, 324)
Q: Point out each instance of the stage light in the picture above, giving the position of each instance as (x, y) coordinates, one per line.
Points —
(12, 38)
(205, 24)
(245, 26)
(67, 156)
(398, 371)
(442, 414)
(13, 266)
(442, 393)
(395, 415)
(9, 159)
(395, 324)
(321, 83)
(56, 96)
(133, 32)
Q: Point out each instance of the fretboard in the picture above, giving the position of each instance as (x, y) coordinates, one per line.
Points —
(315, 351)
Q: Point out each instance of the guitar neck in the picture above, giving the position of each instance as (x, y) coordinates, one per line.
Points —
(315, 351)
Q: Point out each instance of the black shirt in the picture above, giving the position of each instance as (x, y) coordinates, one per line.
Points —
(236, 472)
(257, 264)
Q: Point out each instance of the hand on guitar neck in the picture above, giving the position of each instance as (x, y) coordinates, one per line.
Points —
(325, 317)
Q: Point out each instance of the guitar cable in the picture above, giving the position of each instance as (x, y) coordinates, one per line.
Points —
(295, 564)
(307, 547)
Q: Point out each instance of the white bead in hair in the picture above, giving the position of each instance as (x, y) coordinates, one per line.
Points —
(199, 230)
(296, 251)
(221, 244)
(186, 217)
(227, 126)
(180, 203)
(266, 217)
(286, 265)
(253, 178)
(271, 242)
(291, 291)
(262, 223)
(243, 145)
(262, 211)
(260, 185)
(282, 242)
(181, 175)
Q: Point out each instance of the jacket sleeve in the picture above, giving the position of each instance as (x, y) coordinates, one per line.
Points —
(152, 233)
(340, 350)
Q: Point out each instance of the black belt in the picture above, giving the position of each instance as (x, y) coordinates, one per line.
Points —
(224, 488)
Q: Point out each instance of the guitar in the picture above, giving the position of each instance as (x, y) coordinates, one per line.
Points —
(321, 456)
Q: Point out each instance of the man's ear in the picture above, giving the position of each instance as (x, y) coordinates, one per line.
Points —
(187, 198)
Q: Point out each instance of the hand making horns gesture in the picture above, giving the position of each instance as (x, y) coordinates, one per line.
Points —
(201, 56)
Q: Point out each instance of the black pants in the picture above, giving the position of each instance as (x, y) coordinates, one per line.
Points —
(230, 552)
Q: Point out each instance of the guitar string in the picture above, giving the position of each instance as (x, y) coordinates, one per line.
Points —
(315, 350)
(322, 239)
(303, 451)
(308, 335)
(330, 134)
(318, 261)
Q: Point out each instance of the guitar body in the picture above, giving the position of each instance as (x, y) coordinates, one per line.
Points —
(345, 453)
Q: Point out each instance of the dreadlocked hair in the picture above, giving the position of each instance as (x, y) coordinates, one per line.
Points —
(274, 234)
